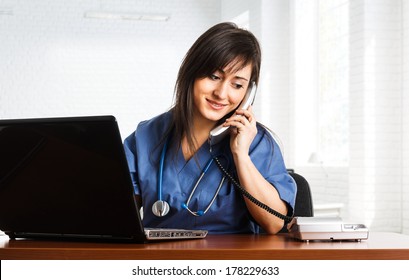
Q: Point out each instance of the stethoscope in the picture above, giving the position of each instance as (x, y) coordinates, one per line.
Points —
(161, 208)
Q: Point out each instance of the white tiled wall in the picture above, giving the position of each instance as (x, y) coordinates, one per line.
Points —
(55, 62)
(375, 169)
(405, 118)
(375, 186)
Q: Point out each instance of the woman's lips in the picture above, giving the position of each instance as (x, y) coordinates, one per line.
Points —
(216, 105)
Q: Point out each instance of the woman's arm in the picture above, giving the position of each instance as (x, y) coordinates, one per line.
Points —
(250, 177)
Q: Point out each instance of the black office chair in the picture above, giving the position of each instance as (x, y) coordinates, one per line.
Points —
(303, 200)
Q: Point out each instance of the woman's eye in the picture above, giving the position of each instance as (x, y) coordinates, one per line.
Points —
(237, 86)
(214, 77)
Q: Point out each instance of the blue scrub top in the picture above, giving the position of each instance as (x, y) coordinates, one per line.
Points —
(228, 213)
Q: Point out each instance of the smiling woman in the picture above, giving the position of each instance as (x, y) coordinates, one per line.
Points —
(191, 192)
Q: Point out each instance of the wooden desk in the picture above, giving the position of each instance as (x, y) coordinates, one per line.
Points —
(379, 246)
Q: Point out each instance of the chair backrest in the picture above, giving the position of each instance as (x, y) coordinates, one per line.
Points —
(303, 200)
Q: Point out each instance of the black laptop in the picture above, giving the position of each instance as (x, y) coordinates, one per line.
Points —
(69, 178)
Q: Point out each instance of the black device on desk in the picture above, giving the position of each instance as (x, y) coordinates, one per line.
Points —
(69, 178)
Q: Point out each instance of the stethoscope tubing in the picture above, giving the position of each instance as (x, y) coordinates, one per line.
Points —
(202, 212)
(160, 208)
(160, 173)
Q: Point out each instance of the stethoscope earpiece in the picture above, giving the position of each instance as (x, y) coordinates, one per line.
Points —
(194, 213)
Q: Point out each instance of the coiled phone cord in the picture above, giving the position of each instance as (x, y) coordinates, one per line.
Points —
(249, 196)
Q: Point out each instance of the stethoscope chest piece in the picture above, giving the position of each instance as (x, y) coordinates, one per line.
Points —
(160, 208)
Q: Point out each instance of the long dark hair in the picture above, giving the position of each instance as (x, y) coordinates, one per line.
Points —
(222, 45)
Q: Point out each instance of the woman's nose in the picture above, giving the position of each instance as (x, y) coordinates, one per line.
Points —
(221, 91)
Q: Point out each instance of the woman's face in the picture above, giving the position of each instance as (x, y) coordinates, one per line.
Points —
(220, 93)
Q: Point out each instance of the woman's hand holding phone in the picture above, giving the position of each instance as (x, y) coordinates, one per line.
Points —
(245, 130)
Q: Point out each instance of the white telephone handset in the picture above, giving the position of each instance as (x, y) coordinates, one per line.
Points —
(218, 133)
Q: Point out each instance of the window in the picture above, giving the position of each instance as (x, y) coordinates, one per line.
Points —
(321, 78)
(333, 77)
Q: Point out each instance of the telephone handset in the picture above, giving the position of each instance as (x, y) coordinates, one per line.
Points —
(218, 133)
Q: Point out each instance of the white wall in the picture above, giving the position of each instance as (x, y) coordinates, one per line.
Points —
(375, 168)
(405, 118)
(55, 62)
(374, 186)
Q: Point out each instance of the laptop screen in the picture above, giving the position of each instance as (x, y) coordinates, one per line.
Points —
(66, 176)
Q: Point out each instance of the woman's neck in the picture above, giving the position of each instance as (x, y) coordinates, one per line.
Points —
(200, 133)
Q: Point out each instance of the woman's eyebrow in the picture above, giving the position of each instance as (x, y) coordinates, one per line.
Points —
(241, 78)
(236, 77)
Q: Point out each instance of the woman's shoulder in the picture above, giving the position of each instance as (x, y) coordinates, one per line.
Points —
(265, 133)
(265, 139)
(157, 125)
(150, 131)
